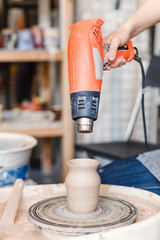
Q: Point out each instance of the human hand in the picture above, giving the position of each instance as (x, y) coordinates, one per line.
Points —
(117, 39)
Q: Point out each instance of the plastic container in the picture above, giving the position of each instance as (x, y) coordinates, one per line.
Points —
(15, 152)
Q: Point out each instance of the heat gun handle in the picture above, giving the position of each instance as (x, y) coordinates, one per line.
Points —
(127, 51)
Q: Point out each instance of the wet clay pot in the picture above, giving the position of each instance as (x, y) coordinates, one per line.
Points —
(82, 185)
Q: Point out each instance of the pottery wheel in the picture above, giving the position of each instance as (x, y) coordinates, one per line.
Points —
(53, 215)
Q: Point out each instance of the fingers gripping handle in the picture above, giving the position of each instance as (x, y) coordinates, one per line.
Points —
(127, 52)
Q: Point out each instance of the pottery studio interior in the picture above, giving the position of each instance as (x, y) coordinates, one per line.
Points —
(79, 119)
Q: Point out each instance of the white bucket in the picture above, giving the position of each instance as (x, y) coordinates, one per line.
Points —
(15, 151)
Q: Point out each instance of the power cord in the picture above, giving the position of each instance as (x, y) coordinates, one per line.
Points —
(138, 59)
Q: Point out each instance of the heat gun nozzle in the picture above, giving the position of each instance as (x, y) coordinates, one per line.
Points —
(85, 125)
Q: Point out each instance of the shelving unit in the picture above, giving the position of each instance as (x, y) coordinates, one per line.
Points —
(54, 129)
(63, 128)
(30, 56)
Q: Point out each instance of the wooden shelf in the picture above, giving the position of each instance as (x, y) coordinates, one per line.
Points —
(30, 56)
(64, 128)
(24, 4)
(54, 129)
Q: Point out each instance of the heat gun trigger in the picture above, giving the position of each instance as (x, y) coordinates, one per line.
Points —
(106, 49)
(106, 64)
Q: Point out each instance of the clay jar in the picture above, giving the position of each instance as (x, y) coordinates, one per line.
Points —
(82, 185)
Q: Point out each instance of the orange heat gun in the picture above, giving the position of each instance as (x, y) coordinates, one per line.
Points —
(86, 64)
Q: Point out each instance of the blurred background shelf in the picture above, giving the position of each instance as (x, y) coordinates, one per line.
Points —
(30, 56)
(39, 131)
(50, 76)
(24, 4)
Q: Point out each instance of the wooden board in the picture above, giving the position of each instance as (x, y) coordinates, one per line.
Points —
(54, 129)
(30, 56)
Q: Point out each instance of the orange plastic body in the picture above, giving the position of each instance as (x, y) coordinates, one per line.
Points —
(85, 56)
(127, 54)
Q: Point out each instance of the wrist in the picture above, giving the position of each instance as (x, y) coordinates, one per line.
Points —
(128, 29)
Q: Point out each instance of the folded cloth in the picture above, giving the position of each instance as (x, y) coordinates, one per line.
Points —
(151, 160)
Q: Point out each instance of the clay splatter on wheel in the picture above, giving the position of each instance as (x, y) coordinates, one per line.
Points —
(53, 215)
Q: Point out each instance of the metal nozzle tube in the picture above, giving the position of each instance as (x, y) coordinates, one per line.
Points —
(85, 125)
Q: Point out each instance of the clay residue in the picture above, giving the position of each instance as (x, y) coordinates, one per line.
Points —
(145, 206)
(22, 229)
(2, 206)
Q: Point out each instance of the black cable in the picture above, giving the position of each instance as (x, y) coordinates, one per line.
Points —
(138, 59)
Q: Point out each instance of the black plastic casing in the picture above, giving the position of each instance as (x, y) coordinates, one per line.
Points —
(85, 104)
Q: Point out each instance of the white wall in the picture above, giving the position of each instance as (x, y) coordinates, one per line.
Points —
(120, 86)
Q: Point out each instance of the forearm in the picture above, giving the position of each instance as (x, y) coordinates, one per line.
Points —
(146, 16)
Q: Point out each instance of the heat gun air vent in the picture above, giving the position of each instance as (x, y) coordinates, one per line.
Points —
(97, 34)
(81, 102)
(94, 103)
(85, 104)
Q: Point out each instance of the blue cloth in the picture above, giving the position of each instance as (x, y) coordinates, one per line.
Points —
(129, 172)
(151, 160)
